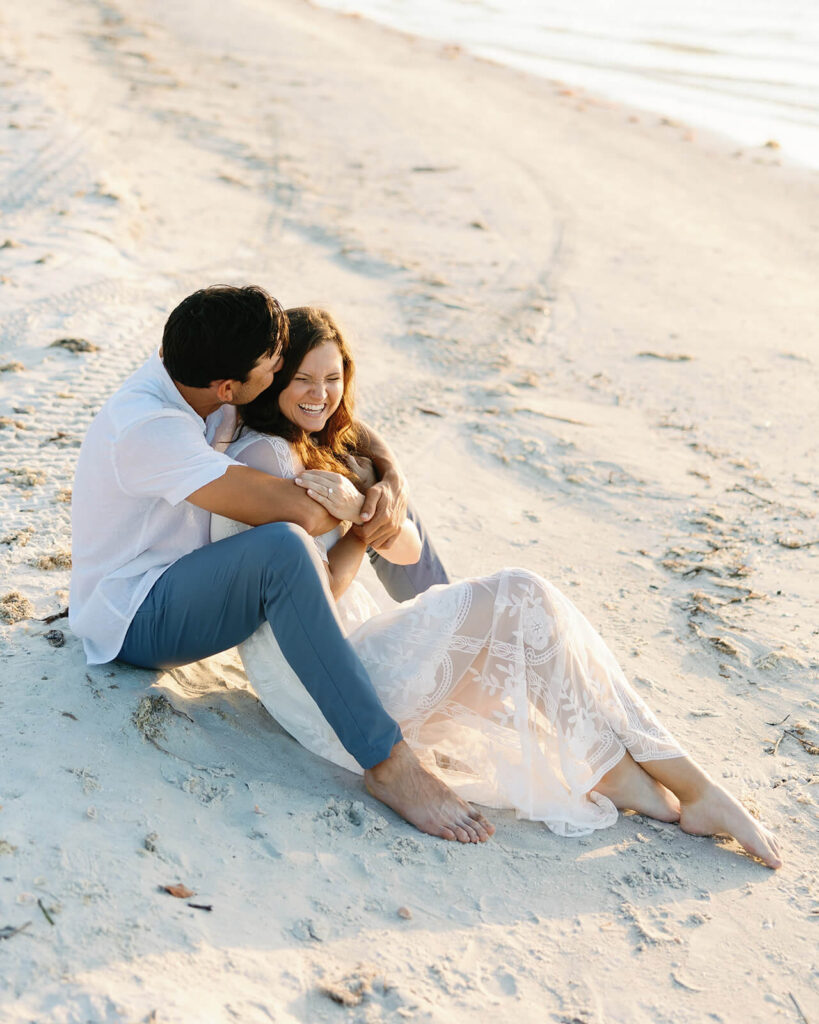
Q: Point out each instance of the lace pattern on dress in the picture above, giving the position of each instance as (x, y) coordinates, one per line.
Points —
(284, 457)
(504, 689)
(500, 685)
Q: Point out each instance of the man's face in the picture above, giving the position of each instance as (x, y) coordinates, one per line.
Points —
(259, 379)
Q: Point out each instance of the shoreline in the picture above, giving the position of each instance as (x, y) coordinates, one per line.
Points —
(690, 121)
(592, 344)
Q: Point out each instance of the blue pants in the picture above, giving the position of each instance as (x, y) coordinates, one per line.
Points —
(217, 596)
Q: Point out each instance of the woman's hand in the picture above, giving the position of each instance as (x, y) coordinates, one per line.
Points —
(363, 469)
(334, 492)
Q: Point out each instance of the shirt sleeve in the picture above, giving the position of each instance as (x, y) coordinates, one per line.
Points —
(271, 455)
(167, 457)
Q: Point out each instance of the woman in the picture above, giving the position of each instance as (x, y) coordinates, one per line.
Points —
(499, 684)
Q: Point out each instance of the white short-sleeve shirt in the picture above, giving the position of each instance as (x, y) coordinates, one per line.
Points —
(144, 453)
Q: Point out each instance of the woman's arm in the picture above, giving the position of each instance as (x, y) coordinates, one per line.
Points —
(343, 562)
(405, 549)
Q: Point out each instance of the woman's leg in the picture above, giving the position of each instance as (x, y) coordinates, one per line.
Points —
(519, 657)
(584, 693)
(656, 777)
(706, 809)
(630, 788)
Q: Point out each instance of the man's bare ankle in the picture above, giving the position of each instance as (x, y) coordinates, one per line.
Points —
(398, 753)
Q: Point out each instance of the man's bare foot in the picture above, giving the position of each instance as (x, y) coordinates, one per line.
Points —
(630, 788)
(716, 812)
(403, 784)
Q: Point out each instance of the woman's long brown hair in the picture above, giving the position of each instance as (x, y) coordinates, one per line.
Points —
(327, 448)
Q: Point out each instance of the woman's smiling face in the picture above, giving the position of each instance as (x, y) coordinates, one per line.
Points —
(315, 391)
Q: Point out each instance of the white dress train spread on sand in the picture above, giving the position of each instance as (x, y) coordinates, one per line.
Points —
(500, 685)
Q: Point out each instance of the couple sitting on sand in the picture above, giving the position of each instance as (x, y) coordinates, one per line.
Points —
(226, 495)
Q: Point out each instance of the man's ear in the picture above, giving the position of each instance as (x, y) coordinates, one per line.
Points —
(224, 390)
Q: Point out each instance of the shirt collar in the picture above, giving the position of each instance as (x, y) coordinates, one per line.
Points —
(169, 390)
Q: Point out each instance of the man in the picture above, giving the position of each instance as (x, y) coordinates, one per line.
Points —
(147, 586)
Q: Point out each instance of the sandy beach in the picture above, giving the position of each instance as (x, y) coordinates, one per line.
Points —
(590, 335)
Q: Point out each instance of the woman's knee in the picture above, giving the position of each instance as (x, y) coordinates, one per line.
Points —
(523, 577)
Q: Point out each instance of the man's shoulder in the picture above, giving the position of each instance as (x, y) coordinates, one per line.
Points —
(139, 399)
(128, 407)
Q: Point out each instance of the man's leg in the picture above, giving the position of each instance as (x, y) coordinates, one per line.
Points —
(215, 597)
(403, 582)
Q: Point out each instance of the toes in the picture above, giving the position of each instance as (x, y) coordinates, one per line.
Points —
(765, 847)
(773, 859)
(447, 833)
(468, 826)
(481, 824)
(461, 834)
(769, 858)
(481, 829)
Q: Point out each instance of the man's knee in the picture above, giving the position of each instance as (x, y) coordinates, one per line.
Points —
(280, 544)
(280, 533)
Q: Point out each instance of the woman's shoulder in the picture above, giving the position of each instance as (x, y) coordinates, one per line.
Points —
(247, 437)
(269, 452)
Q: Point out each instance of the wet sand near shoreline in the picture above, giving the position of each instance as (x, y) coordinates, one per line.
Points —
(590, 335)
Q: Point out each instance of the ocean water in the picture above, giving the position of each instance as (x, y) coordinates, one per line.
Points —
(748, 69)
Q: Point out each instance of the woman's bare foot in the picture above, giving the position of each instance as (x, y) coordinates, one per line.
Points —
(630, 788)
(423, 800)
(716, 812)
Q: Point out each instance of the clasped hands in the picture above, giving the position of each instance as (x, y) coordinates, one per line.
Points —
(377, 515)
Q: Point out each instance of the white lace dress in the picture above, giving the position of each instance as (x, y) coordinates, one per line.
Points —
(499, 684)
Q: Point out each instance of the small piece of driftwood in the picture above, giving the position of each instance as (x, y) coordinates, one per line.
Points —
(53, 618)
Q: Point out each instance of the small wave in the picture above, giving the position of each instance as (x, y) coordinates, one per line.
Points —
(747, 70)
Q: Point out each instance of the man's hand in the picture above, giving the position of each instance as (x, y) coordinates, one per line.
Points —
(384, 511)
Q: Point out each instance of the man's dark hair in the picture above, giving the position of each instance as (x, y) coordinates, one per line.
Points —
(220, 333)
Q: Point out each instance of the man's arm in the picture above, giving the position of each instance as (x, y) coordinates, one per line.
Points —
(385, 504)
(253, 497)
